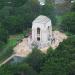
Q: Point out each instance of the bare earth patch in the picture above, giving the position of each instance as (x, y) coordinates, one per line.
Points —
(22, 49)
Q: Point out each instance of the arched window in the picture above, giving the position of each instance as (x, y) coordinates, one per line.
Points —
(48, 27)
(38, 30)
(48, 33)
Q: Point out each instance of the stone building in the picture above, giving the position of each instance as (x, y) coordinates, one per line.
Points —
(41, 32)
(41, 37)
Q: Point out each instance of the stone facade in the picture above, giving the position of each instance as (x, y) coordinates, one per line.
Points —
(41, 32)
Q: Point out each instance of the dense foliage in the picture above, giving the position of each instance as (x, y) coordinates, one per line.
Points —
(68, 22)
(17, 69)
(16, 16)
(62, 60)
(3, 34)
(36, 59)
(56, 62)
(73, 7)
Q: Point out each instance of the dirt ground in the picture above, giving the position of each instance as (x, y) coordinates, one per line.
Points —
(22, 49)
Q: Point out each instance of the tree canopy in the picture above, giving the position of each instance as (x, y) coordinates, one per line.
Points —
(36, 59)
(17, 69)
(61, 61)
(3, 34)
(68, 22)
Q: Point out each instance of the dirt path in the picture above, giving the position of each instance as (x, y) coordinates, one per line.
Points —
(7, 60)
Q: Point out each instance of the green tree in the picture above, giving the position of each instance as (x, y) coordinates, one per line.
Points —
(71, 68)
(3, 34)
(22, 69)
(68, 22)
(4, 70)
(36, 59)
(73, 7)
(1, 4)
(14, 24)
(17, 16)
(61, 60)
(17, 69)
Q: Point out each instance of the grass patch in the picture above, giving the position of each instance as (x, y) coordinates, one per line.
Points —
(6, 50)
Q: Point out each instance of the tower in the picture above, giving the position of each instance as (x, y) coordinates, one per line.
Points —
(41, 31)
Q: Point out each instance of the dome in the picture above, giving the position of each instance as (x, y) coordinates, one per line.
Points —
(42, 19)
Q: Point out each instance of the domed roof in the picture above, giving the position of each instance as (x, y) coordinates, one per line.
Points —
(42, 19)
